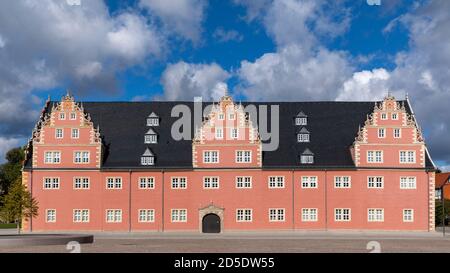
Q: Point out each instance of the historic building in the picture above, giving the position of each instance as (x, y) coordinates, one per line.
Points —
(122, 166)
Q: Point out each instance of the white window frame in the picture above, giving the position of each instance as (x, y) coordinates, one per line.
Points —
(340, 214)
(62, 116)
(50, 218)
(147, 160)
(113, 215)
(218, 132)
(276, 182)
(51, 183)
(178, 215)
(114, 183)
(74, 135)
(301, 121)
(408, 182)
(234, 133)
(221, 116)
(381, 132)
(73, 116)
(244, 182)
(81, 183)
(302, 137)
(52, 157)
(81, 157)
(375, 183)
(375, 157)
(177, 182)
(59, 133)
(151, 139)
(277, 215)
(394, 116)
(342, 182)
(375, 215)
(146, 215)
(211, 182)
(211, 156)
(243, 156)
(244, 215)
(146, 183)
(307, 159)
(310, 214)
(383, 116)
(408, 218)
(399, 130)
(83, 217)
(231, 116)
(153, 121)
(309, 182)
(408, 156)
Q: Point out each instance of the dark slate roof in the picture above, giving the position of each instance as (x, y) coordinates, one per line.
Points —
(332, 126)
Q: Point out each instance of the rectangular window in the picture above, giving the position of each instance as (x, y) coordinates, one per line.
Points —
(62, 116)
(408, 215)
(81, 183)
(150, 139)
(307, 159)
(302, 137)
(146, 183)
(50, 216)
(375, 156)
(51, 182)
(73, 116)
(408, 182)
(276, 215)
(114, 183)
(276, 182)
(243, 182)
(309, 181)
(81, 157)
(342, 182)
(211, 182)
(375, 215)
(179, 182)
(210, 156)
(59, 133)
(397, 133)
(342, 215)
(300, 121)
(243, 156)
(383, 116)
(231, 116)
(234, 133)
(394, 116)
(219, 133)
(243, 215)
(221, 116)
(113, 215)
(179, 215)
(75, 133)
(52, 157)
(407, 156)
(146, 215)
(375, 182)
(147, 160)
(381, 133)
(80, 215)
(309, 215)
(153, 122)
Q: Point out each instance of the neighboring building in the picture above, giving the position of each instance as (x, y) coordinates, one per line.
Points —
(114, 166)
(441, 180)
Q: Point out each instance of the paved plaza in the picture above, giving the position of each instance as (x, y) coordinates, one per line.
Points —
(253, 242)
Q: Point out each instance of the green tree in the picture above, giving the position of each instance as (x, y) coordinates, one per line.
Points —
(18, 204)
(12, 169)
(438, 211)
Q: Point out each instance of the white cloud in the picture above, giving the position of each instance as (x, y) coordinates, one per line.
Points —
(184, 81)
(81, 47)
(365, 86)
(184, 17)
(6, 144)
(227, 35)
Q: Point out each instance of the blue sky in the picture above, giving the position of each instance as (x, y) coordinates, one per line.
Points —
(107, 50)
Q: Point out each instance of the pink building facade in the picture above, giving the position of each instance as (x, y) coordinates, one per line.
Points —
(338, 166)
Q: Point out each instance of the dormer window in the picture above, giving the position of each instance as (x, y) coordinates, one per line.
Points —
(307, 157)
(303, 135)
(148, 158)
(153, 120)
(151, 137)
(301, 119)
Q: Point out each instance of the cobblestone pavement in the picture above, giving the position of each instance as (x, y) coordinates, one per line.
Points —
(256, 242)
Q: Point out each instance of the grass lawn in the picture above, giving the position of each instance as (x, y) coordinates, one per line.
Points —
(3, 226)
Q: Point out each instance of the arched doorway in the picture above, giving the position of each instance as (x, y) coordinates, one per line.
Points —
(211, 223)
